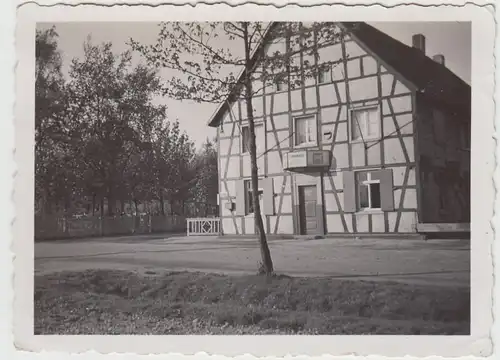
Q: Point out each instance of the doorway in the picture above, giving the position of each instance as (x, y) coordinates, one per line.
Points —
(308, 219)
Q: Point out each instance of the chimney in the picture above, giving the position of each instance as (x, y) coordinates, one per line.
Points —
(419, 42)
(439, 59)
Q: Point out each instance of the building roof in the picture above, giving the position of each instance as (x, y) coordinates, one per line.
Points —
(432, 79)
(429, 77)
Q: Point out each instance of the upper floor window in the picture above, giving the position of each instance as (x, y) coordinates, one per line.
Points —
(249, 204)
(324, 75)
(365, 123)
(306, 130)
(280, 85)
(245, 138)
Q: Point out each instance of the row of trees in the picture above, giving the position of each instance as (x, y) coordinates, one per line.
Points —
(106, 116)
(100, 136)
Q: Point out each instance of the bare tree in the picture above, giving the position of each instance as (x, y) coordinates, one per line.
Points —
(204, 58)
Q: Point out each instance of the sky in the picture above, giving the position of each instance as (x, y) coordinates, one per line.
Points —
(451, 39)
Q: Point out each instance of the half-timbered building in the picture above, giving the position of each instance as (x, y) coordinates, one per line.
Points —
(379, 143)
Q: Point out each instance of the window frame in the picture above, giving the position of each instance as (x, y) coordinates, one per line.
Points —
(248, 190)
(327, 72)
(314, 116)
(367, 183)
(351, 124)
(278, 83)
(247, 126)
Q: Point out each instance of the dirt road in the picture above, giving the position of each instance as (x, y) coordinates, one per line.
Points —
(439, 262)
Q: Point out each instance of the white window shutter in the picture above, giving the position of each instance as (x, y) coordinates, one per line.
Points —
(268, 192)
(386, 188)
(349, 191)
(240, 197)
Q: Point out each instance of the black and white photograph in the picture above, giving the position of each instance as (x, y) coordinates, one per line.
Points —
(287, 177)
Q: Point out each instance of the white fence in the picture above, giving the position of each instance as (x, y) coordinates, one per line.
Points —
(203, 226)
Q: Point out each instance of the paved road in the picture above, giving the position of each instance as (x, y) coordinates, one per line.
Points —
(439, 262)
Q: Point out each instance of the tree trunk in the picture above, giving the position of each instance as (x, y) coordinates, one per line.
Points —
(267, 263)
(93, 204)
(111, 203)
(162, 204)
(136, 204)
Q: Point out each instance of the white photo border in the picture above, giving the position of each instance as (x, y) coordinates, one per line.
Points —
(479, 343)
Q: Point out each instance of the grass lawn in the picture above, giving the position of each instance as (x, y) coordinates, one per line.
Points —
(119, 302)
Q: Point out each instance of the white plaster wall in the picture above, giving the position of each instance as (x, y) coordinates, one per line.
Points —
(331, 203)
(274, 162)
(285, 225)
(341, 156)
(327, 94)
(329, 114)
(280, 102)
(398, 174)
(286, 206)
(280, 122)
(228, 188)
(393, 151)
(362, 89)
(311, 98)
(334, 223)
(404, 121)
(352, 49)
(247, 166)
(378, 225)
(225, 143)
(233, 169)
(250, 224)
(296, 100)
(362, 222)
(399, 104)
(278, 183)
(374, 158)
(330, 53)
(410, 200)
(354, 68)
(358, 154)
(370, 65)
(407, 223)
(228, 226)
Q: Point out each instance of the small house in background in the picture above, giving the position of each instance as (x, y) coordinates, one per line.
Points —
(378, 144)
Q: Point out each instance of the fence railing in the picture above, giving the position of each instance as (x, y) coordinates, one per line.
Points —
(51, 227)
(203, 226)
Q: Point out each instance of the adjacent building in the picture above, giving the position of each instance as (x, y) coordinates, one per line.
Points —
(379, 143)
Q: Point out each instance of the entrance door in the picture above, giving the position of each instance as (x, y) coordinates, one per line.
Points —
(307, 210)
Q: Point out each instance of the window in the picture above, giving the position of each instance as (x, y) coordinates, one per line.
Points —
(280, 85)
(368, 191)
(324, 75)
(249, 207)
(365, 124)
(305, 130)
(245, 138)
